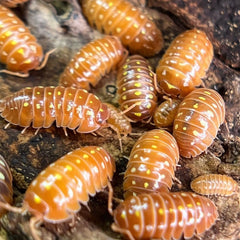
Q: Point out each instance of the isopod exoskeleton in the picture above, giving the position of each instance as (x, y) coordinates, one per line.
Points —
(6, 190)
(184, 63)
(19, 49)
(11, 3)
(70, 107)
(164, 216)
(197, 122)
(214, 184)
(136, 91)
(152, 163)
(165, 113)
(120, 18)
(92, 62)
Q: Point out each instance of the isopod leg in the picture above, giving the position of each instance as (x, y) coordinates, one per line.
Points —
(118, 135)
(34, 223)
(110, 198)
(10, 208)
(44, 62)
(115, 228)
(17, 74)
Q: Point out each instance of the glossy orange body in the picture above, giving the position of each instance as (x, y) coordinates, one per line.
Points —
(69, 107)
(164, 216)
(92, 62)
(118, 121)
(56, 193)
(214, 184)
(6, 190)
(120, 18)
(135, 83)
(165, 113)
(197, 122)
(152, 163)
(184, 63)
(11, 3)
(19, 49)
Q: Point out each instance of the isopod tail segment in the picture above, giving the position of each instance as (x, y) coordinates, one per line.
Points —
(26, 74)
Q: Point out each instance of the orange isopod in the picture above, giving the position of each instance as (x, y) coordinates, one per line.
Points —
(122, 19)
(152, 163)
(92, 62)
(55, 195)
(136, 90)
(165, 113)
(214, 184)
(19, 49)
(70, 107)
(197, 122)
(184, 63)
(164, 216)
(6, 190)
(11, 3)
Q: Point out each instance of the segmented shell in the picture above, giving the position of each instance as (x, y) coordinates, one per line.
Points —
(92, 62)
(164, 216)
(11, 3)
(197, 122)
(135, 83)
(184, 63)
(214, 184)
(152, 163)
(120, 18)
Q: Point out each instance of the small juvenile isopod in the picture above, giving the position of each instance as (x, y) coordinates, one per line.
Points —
(184, 63)
(152, 163)
(11, 3)
(165, 113)
(70, 107)
(197, 122)
(214, 184)
(120, 18)
(92, 62)
(6, 190)
(19, 49)
(164, 216)
(54, 196)
(136, 90)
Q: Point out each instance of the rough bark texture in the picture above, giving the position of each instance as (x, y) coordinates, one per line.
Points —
(59, 24)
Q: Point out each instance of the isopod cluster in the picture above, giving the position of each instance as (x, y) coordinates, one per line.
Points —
(185, 116)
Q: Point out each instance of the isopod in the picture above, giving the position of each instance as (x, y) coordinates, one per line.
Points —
(214, 184)
(92, 62)
(19, 49)
(152, 163)
(136, 91)
(164, 215)
(70, 107)
(165, 113)
(184, 63)
(120, 18)
(199, 117)
(11, 3)
(6, 190)
(55, 195)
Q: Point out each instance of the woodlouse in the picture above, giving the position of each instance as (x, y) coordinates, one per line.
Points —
(55, 195)
(197, 122)
(69, 107)
(184, 63)
(136, 91)
(152, 163)
(214, 184)
(11, 3)
(92, 62)
(165, 113)
(120, 18)
(164, 216)
(6, 190)
(19, 49)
